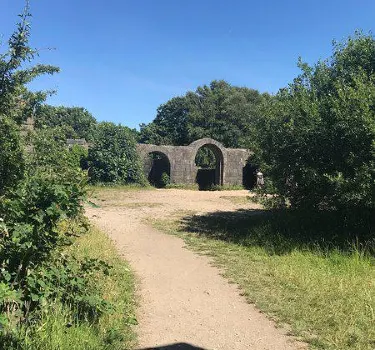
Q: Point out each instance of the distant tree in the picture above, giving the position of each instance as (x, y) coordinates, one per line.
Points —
(78, 121)
(220, 111)
(113, 158)
(170, 125)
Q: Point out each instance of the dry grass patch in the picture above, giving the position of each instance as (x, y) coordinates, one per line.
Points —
(238, 200)
(131, 205)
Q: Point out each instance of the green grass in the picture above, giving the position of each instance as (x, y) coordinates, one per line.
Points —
(56, 329)
(326, 296)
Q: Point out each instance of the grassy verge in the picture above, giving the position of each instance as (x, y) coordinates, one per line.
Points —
(113, 330)
(326, 296)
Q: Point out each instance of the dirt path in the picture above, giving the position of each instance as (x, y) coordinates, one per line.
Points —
(183, 298)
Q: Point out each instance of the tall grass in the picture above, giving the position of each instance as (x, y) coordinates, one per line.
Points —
(55, 329)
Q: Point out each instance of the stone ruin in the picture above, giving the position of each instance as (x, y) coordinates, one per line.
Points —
(178, 162)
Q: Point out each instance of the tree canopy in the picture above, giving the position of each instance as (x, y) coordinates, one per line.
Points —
(16, 101)
(112, 157)
(318, 134)
(221, 111)
(79, 123)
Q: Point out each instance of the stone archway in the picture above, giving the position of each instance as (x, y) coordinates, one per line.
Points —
(219, 152)
(182, 161)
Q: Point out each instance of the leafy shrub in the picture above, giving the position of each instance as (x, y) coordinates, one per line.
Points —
(42, 192)
(113, 157)
(69, 280)
(12, 161)
(164, 180)
(81, 123)
(79, 156)
(318, 140)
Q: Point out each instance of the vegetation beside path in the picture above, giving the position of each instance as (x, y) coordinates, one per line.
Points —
(58, 329)
(325, 294)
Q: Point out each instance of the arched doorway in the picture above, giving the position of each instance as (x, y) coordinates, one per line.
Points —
(210, 163)
(159, 172)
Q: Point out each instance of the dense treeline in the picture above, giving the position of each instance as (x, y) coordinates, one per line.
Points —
(318, 142)
(77, 122)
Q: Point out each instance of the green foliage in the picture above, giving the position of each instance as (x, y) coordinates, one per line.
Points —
(80, 122)
(40, 190)
(318, 140)
(30, 233)
(205, 158)
(11, 155)
(78, 155)
(70, 281)
(220, 111)
(164, 180)
(113, 157)
(16, 101)
(59, 326)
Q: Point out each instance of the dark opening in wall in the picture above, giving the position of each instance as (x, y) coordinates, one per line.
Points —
(249, 176)
(209, 160)
(160, 170)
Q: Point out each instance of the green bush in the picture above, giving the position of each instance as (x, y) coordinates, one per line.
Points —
(79, 156)
(318, 140)
(12, 162)
(80, 122)
(41, 193)
(164, 180)
(113, 158)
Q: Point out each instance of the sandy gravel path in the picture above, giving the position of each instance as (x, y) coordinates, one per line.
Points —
(184, 299)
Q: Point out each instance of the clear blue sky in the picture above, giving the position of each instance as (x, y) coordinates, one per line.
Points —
(121, 59)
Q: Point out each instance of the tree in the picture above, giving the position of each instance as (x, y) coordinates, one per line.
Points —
(220, 111)
(318, 140)
(78, 121)
(38, 190)
(113, 157)
(170, 125)
(16, 101)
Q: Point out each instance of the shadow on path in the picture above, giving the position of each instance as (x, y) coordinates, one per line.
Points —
(177, 346)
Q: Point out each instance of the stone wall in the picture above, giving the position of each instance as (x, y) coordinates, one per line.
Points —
(182, 161)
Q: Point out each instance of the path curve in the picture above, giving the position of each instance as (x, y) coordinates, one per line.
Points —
(184, 299)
